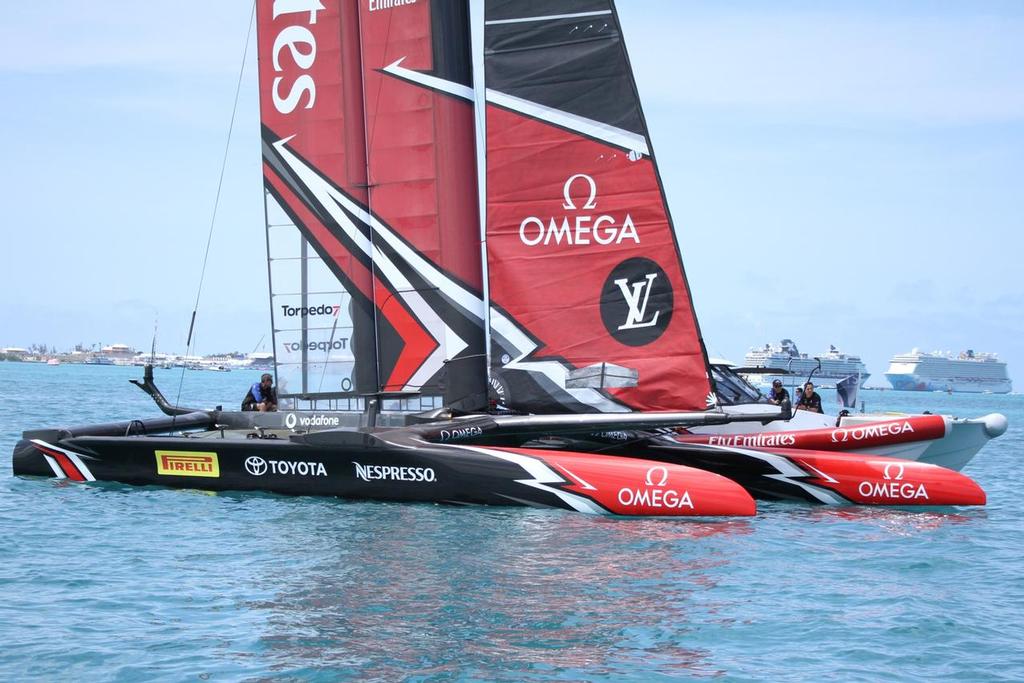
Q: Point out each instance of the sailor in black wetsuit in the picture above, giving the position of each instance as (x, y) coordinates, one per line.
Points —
(809, 400)
(262, 396)
(778, 394)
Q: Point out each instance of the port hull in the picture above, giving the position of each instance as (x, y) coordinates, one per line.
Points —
(362, 466)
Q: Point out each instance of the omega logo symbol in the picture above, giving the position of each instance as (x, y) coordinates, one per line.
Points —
(652, 473)
(887, 474)
(567, 192)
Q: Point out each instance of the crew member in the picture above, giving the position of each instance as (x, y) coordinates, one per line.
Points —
(809, 400)
(262, 396)
(778, 394)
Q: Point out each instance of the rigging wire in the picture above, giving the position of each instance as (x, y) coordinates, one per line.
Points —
(216, 201)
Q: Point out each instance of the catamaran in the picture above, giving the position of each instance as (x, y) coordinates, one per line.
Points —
(477, 292)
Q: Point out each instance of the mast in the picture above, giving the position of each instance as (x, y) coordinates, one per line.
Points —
(476, 24)
(421, 162)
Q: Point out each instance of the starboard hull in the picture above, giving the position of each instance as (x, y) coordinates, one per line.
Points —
(935, 439)
(828, 478)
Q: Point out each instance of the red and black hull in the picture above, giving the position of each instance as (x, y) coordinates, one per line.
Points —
(357, 465)
(486, 461)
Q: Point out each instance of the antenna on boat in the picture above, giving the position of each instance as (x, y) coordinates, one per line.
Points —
(816, 369)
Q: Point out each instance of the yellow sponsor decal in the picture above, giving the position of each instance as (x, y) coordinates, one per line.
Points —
(187, 463)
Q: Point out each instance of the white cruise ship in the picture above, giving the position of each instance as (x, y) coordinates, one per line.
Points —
(835, 366)
(968, 372)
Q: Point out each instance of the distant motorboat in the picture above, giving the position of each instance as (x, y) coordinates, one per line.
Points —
(53, 361)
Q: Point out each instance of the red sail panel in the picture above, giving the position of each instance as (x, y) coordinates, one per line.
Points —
(310, 86)
(314, 161)
(422, 171)
(590, 305)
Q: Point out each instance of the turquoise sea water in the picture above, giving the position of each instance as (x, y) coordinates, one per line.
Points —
(110, 582)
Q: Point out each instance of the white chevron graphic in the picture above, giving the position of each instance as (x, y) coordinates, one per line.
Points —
(613, 135)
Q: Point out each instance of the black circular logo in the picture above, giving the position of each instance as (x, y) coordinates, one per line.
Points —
(636, 302)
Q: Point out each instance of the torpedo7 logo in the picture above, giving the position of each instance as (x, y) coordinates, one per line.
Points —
(636, 302)
(305, 311)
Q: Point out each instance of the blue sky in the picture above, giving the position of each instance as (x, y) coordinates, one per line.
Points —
(849, 173)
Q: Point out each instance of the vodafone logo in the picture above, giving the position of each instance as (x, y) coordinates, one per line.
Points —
(583, 225)
(291, 421)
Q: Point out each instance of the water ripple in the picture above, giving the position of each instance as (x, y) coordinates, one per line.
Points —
(110, 582)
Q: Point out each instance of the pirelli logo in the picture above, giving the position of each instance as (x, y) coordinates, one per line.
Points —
(187, 464)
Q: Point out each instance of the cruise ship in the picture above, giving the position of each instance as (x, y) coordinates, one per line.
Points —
(968, 372)
(835, 366)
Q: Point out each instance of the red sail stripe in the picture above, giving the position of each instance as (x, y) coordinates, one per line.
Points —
(418, 342)
(338, 253)
(421, 174)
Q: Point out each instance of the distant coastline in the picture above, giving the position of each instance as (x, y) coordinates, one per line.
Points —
(122, 354)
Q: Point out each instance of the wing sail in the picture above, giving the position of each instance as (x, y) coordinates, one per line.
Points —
(422, 168)
(374, 286)
(314, 153)
(590, 308)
